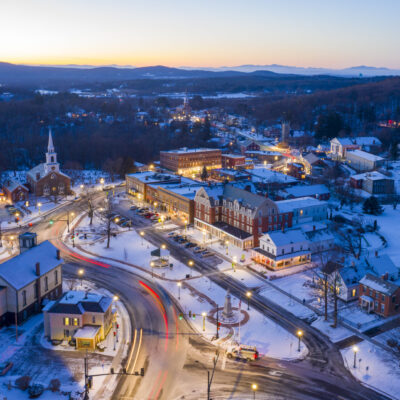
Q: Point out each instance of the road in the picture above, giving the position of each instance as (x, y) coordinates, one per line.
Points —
(175, 357)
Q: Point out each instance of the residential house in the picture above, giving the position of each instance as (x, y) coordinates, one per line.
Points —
(27, 280)
(14, 191)
(282, 249)
(86, 317)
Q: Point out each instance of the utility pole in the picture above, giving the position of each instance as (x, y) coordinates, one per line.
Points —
(217, 335)
(210, 378)
(86, 379)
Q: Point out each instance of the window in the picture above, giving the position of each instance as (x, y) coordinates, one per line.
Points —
(382, 308)
(283, 251)
(292, 249)
(24, 297)
(46, 283)
(393, 299)
(93, 319)
(383, 297)
(56, 277)
(66, 321)
(353, 292)
(76, 322)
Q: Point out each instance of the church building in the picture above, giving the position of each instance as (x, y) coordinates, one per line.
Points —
(46, 179)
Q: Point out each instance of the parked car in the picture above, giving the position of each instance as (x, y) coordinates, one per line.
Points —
(189, 245)
(126, 224)
(182, 240)
(172, 234)
(199, 249)
(133, 208)
(207, 254)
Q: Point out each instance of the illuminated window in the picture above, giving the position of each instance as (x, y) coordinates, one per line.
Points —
(353, 292)
(76, 321)
(66, 321)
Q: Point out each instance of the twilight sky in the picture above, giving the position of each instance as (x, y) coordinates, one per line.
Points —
(319, 33)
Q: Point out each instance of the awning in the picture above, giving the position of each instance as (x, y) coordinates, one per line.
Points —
(87, 332)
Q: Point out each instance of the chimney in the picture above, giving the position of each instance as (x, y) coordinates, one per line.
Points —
(386, 276)
(376, 253)
(58, 255)
(313, 228)
(38, 269)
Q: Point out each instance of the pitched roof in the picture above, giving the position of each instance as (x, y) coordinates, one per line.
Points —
(21, 270)
(365, 155)
(14, 185)
(78, 302)
(301, 202)
(307, 190)
(280, 238)
(379, 284)
(246, 198)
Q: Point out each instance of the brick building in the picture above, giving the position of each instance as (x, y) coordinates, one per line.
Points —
(237, 215)
(188, 161)
(14, 191)
(379, 295)
(46, 179)
(232, 161)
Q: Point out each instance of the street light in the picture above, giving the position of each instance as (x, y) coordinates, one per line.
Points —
(227, 248)
(163, 246)
(142, 234)
(102, 181)
(299, 334)
(39, 205)
(248, 294)
(185, 225)
(355, 350)
(204, 314)
(81, 271)
(191, 267)
(254, 388)
(12, 242)
(179, 290)
(152, 269)
(115, 298)
(234, 261)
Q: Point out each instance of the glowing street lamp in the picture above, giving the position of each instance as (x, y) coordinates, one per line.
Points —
(102, 181)
(185, 225)
(81, 272)
(12, 242)
(163, 246)
(204, 314)
(248, 295)
(142, 234)
(179, 284)
(254, 388)
(355, 350)
(234, 261)
(299, 334)
(152, 269)
(39, 205)
(191, 266)
(115, 298)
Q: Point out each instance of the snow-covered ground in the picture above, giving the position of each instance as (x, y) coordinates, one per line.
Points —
(375, 367)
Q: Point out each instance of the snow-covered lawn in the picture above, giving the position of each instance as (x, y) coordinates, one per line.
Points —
(375, 367)
(335, 334)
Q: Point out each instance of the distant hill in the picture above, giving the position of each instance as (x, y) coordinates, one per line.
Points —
(13, 74)
(362, 70)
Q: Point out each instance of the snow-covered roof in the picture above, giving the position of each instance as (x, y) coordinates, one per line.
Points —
(21, 270)
(87, 332)
(262, 174)
(153, 177)
(15, 185)
(40, 168)
(233, 155)
(379, 284)
(306, 190)
(185, 150)
(79, 302)
(247, 198)
(367, 141)
(373, 176)
(365, 155)
(301, 202)
(280, 238)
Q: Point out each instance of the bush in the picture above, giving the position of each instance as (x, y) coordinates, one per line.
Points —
(23, 382)
(54, 385)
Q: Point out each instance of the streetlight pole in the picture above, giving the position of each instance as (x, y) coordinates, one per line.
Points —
(142, 234)
(217, 335)
(355, 349)
(248, 294)
(179, 290)
(299, 334)
(254, 387)
(191, 267)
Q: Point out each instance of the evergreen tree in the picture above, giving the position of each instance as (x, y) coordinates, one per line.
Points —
(372, 206)
(204, 174)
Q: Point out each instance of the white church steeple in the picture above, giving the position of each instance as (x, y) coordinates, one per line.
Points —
(51, 157)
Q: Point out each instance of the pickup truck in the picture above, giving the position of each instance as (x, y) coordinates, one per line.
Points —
(243, 352)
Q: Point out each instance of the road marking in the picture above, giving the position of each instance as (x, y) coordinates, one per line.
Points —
(132, 348)
(154, 387)
(138, 350)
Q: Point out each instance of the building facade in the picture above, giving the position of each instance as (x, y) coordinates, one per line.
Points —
(189, 161)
